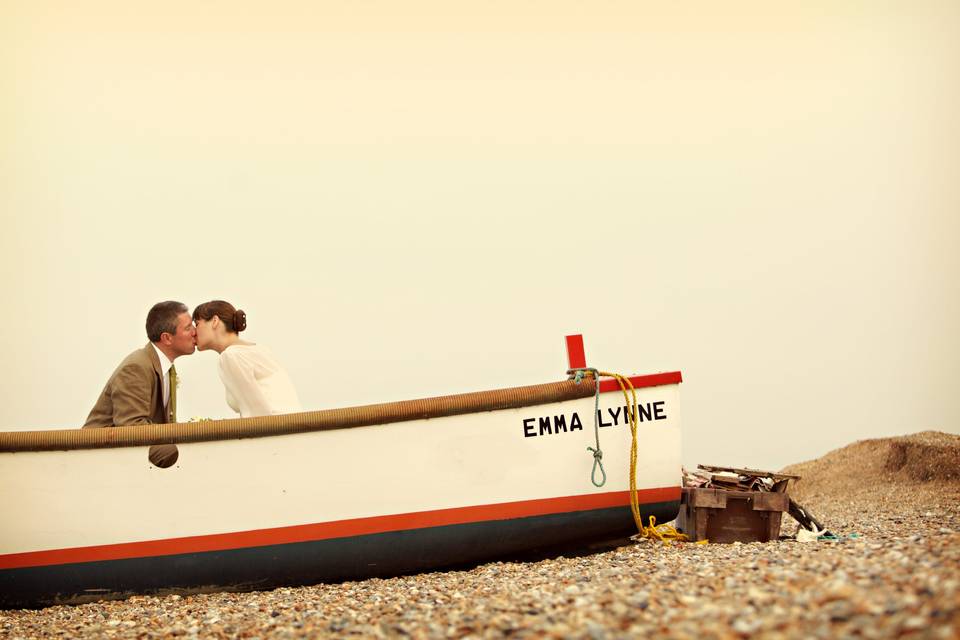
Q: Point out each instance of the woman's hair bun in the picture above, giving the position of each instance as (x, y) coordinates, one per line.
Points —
(239, 320)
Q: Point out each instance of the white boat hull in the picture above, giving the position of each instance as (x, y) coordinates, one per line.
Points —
(329, 505)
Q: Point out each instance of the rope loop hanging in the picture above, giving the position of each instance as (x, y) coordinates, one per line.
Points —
(578, 375)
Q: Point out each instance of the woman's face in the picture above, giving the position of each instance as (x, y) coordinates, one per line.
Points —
(205, 333)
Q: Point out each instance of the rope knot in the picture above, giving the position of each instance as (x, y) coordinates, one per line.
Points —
(579, 373)
(597, 463)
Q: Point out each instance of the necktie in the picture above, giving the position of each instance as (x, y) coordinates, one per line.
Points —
(172, 404)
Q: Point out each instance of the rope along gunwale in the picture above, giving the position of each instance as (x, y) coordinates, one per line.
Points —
(291, 423)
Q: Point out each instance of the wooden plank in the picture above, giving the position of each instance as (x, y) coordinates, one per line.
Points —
(749, 472)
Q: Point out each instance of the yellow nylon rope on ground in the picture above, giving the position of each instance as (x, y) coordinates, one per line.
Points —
(663, 532)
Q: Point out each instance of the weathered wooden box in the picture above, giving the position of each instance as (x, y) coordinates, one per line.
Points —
(718, 515)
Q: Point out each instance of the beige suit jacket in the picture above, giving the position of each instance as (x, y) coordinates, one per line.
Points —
(133, 394)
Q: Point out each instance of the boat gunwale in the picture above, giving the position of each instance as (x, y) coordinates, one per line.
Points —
(310, 421)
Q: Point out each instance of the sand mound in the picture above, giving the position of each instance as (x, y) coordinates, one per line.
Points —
(925, 458)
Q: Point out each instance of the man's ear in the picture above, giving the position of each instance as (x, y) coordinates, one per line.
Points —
(166, 338)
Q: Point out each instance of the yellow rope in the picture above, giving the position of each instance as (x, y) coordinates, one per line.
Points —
(663, 532)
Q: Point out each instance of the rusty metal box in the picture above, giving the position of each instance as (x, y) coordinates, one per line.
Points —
(731, 516)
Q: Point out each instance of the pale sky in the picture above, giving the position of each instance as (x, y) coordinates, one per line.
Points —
(421, 198)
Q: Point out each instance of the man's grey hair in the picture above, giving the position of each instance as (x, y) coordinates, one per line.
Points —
(162, 318)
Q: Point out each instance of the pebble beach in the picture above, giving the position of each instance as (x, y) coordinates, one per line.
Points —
(893, 571)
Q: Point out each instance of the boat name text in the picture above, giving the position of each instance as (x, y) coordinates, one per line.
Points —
(548, 425)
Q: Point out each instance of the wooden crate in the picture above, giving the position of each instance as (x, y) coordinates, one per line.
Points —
(731, 516)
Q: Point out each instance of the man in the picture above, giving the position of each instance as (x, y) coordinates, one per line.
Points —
(140, 390)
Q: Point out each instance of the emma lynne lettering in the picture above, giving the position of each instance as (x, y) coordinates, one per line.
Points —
(609, 417)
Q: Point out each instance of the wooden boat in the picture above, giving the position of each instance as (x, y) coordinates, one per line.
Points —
(330, 495)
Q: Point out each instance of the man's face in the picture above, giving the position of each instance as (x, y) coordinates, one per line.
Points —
(184, 341)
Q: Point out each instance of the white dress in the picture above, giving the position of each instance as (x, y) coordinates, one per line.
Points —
(256, 384)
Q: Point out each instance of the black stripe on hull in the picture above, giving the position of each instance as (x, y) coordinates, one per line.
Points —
(354, 558)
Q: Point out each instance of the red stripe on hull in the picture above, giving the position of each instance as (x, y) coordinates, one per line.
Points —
(336, 529)
(652, 380)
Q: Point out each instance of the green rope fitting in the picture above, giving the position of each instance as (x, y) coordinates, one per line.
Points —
(597, 453)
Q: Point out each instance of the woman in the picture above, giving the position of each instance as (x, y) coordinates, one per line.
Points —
(255, 382)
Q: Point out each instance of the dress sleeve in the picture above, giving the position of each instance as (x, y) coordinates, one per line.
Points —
(131, 396)
(238, 378)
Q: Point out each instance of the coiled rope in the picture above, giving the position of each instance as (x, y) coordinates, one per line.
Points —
(663, 532)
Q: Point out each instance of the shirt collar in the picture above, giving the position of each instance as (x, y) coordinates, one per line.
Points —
(165, 363)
